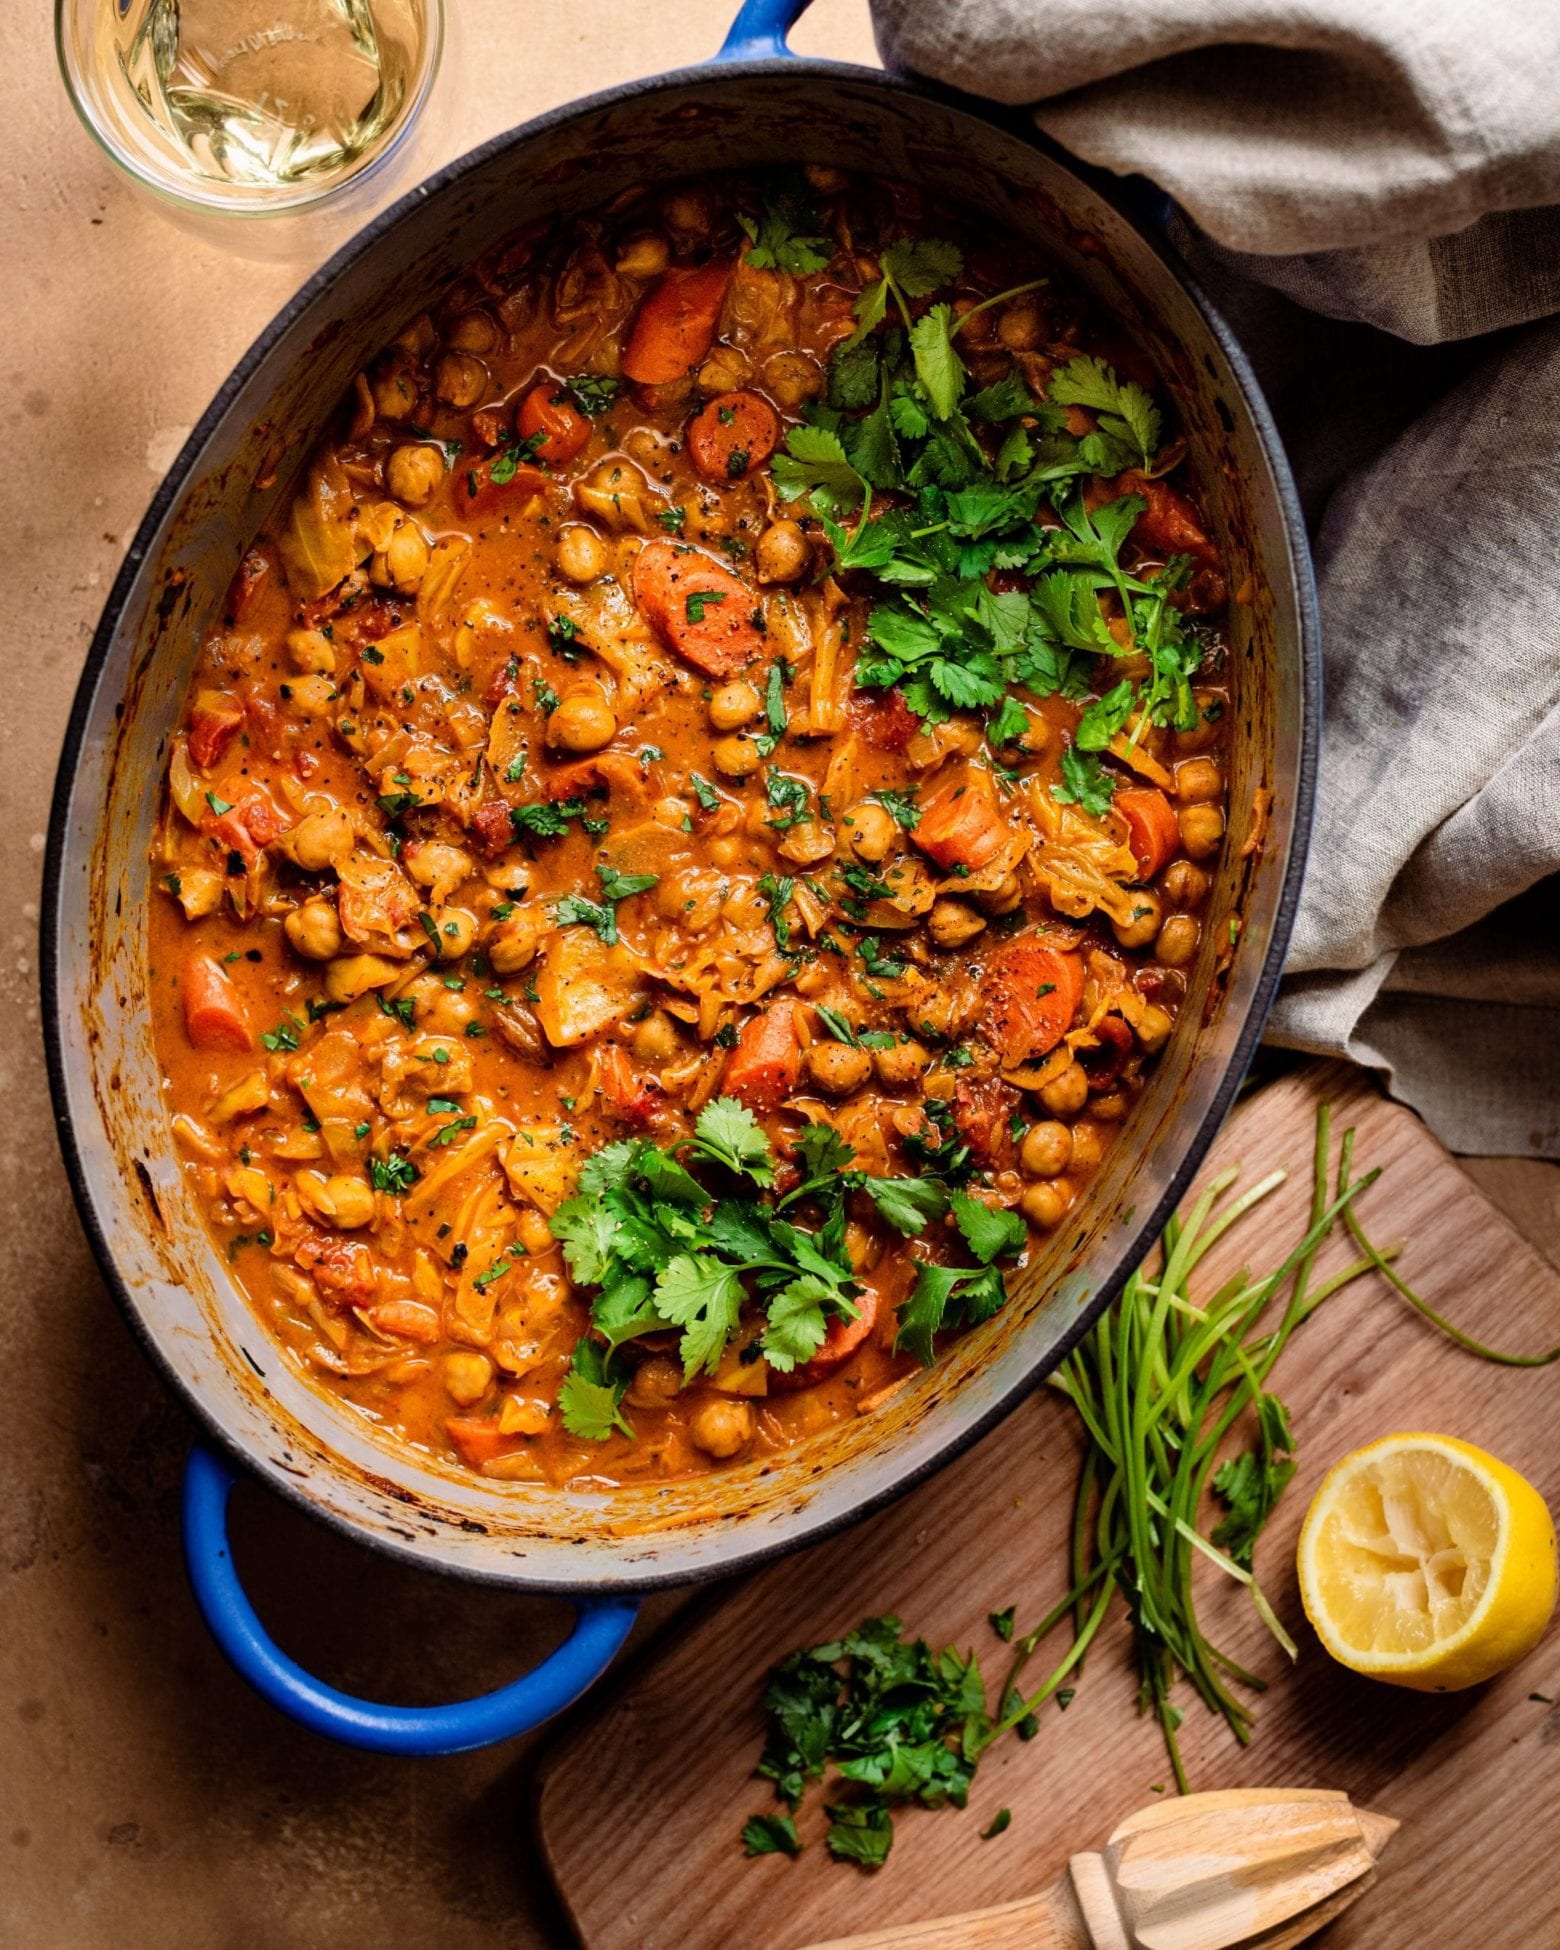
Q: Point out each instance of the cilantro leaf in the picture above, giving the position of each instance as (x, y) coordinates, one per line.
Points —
(778, 239)
(1084, 782)
(902, 805)
(989, 1232)
(587, 1231)
(798, 1325)
(1105, 717)
(1252, 1482)
(1005, 400)
(919, 267)
(590, 1397)
(1127, 410)
(815, 463)
(617, 886)
(546, 819)
(907, 1204)
(731, 1135)
(593, 392)
(938, 367)
(705, 1300)
(770, 1835)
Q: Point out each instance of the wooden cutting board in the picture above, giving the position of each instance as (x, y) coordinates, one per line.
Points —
(640, 1802)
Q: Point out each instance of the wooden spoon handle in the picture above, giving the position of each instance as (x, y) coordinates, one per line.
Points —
(1049, 1922)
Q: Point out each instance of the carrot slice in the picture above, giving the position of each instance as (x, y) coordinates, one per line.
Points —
(732, 435)
(1028, 998)
(214, 1013)
(214, 720)
(696, 607)
(961, 825)
(1152, 828)
(676, 324)
(767, 1060)
(546, 411)
(839, 1344)
(476, 1438)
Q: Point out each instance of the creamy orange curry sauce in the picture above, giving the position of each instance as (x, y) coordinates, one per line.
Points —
(684, 841)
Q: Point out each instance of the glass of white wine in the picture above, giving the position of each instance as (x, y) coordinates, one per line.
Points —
(251, 108)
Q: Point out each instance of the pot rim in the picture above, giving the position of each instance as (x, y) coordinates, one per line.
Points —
(748, 1556)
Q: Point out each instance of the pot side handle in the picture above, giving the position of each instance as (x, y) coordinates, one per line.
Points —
(759, 30)
(601, 1626)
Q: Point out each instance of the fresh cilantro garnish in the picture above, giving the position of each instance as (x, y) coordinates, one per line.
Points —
(284, 1036)
(593, 392)
(703, 791)
(884, 968)
(506, 463)
(1084, 782)
(447, 1133)
(395, 1173)
(837, 1026)
(574, 910)
(1126, 411)
(672, 519)
(697, 601)
(545, 819)
(218, 806)
(788, 796)
(911, 269)
(770, 1835)
(774, 709)
(591, 1395)
(787, 237)
(1252, 1482)
(902, 805)
(777, 891)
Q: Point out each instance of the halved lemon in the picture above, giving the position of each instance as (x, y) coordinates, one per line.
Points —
(1428, 1563)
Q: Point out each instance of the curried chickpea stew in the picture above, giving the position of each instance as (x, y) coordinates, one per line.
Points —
(690, 832)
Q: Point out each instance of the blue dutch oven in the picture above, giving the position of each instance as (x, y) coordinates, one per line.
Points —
(753, 105)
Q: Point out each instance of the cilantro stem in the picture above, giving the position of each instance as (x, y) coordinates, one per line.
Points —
(1017, 291)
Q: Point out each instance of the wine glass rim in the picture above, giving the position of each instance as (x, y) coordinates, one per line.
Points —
(213, 204)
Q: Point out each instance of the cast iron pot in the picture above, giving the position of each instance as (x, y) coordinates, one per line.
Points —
(754, 105)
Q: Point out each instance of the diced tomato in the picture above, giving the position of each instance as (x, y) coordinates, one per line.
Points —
(767, 1060)
(214, 1013)
(1170, 525)
(631, 1098)
(961, 824)
(548, 412)
(343, 1270)
(476, 1439)
(214, 721)
(1153, 832)
(1105, 1063)
(253, 574)
(488, 425)
(982, 1110)
(697, 608)
(885, 721)
(491, 827)
(248, 828)
(1029, 994)
(675, 325)
(839, 1344)
(733, 435)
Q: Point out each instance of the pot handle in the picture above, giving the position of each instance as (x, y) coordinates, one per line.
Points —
(601, 1626)
(759, 30)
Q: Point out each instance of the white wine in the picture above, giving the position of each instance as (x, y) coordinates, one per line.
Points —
(253, 101)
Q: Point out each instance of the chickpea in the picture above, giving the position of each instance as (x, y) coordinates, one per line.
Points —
(1202, 829)
(951, 923)
(467, 1376)
(394, 394)
(1088, 1147)
(1044, 1205)
(657, 1382)
(320, 839)
(438, 1010)
(413, 473)
(1021, 327)
(644, 255)
(673, 813)
(722, 1427)
(1111, 1107)
(655, 1039)
(473, 331)
(1066, 1095)
(735, 757)
(580, 553)
(309, 697)
(1047, 1150)
(436, 862)
(514, 942)
(976, 330)
(689, 212)
(406, 558)
(459, 379)
(1198, 779)
(1139, 929)
(1210, 708)
(457, 930)
(1153, 1027)
(782, 554)
(1177, 941)
(807, 842)
(792, 379)
(733, 705)
(1184, 885)
(314, 930)
(352, 1201)
(838, 1069)
(724, 371)
(583, 722)
(725, 852)
(900, 1064)
(870, 830)
(311, 651)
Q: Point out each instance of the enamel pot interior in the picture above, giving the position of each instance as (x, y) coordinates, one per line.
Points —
(152, 1246)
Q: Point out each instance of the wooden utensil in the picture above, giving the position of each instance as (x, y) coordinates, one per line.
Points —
(1245, 1869)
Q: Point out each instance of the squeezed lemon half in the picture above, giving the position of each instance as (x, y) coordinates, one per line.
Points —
(1428, 1563)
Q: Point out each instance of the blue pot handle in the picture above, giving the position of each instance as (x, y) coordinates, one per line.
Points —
(759, 30)
(600, 1628)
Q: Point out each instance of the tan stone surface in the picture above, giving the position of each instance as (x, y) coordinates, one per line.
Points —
(147, 1799)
